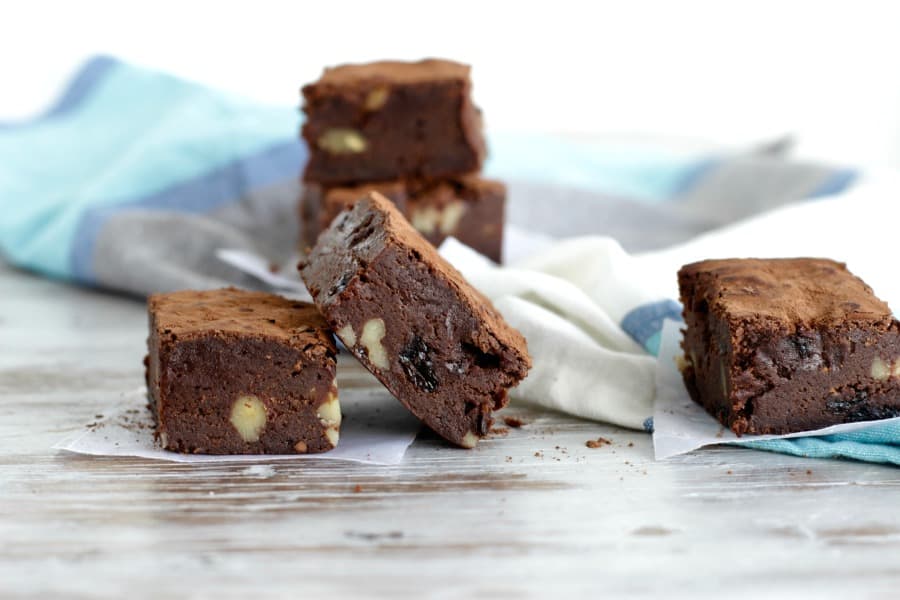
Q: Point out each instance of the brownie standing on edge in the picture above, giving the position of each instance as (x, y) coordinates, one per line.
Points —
(782, 345)
(391, 120)
(436, 343)
(237, 372)
(470, 208)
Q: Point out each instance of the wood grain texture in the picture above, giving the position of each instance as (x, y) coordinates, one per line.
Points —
(531, 513)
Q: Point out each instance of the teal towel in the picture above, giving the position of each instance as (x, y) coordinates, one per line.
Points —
(878, 443)
(132, 163)
(123, 156)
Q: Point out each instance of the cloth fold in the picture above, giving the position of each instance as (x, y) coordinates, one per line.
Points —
(585, 364)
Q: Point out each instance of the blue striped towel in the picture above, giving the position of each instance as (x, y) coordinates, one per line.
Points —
(134, 176)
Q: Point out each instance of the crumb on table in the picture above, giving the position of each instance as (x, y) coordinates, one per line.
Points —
(514, 422)
(599, 442)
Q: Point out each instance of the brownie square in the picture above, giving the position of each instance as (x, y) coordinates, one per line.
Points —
(239, 372)
(437, 344)
(391, 120)
(782, 345)
(470, 208)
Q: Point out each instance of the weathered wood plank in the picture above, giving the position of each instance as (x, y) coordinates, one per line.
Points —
(528, 513)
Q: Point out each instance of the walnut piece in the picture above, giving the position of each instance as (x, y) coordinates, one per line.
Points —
(341, 140)
(248, 415)
(347, 335)
(429, 219)
(880, 370)
(329, 413)
(377, 98)
(425, 219)
(451, 216)
(372, 334)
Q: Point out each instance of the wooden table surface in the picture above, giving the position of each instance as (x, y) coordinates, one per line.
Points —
(534, 513)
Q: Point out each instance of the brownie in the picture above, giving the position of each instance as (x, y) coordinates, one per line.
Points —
(391, 120)
(238, 372)
(782, 345)
(469, 208)
(436, 343)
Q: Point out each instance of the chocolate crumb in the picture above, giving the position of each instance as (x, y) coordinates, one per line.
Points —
(273, 268)
(600, 441)
(630, 444)
(357, 489)
(514, 422)
(500, 430)
(809, 472)
(728, 471)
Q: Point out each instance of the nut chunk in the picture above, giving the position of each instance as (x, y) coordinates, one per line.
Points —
(437, 344)
(391, 120)
(237, 372)
(783, 345)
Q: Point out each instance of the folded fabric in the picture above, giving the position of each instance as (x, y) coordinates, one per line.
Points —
(577, 299)
(878, 444)
(133, 174)
(134, 178)
(585, 364)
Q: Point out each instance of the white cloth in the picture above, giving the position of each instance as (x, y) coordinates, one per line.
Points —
(583, 362)
(570, 299)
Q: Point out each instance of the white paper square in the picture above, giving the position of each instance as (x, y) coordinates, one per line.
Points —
(376, 429)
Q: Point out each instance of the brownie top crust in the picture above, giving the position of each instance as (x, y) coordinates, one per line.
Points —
(789, 292)
(392, 71)
(385, 227)
(233, 311)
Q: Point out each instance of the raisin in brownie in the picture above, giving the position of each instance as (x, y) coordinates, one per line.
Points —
(436, 343)
(470, 209)
(238, 372)
(391, 120)
(782, 345)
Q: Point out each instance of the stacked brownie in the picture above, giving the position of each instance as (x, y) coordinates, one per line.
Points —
(410, 131)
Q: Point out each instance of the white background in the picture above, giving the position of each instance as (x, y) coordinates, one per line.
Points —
(723, 72)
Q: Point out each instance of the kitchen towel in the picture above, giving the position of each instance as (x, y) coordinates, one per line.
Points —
(134, 178)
